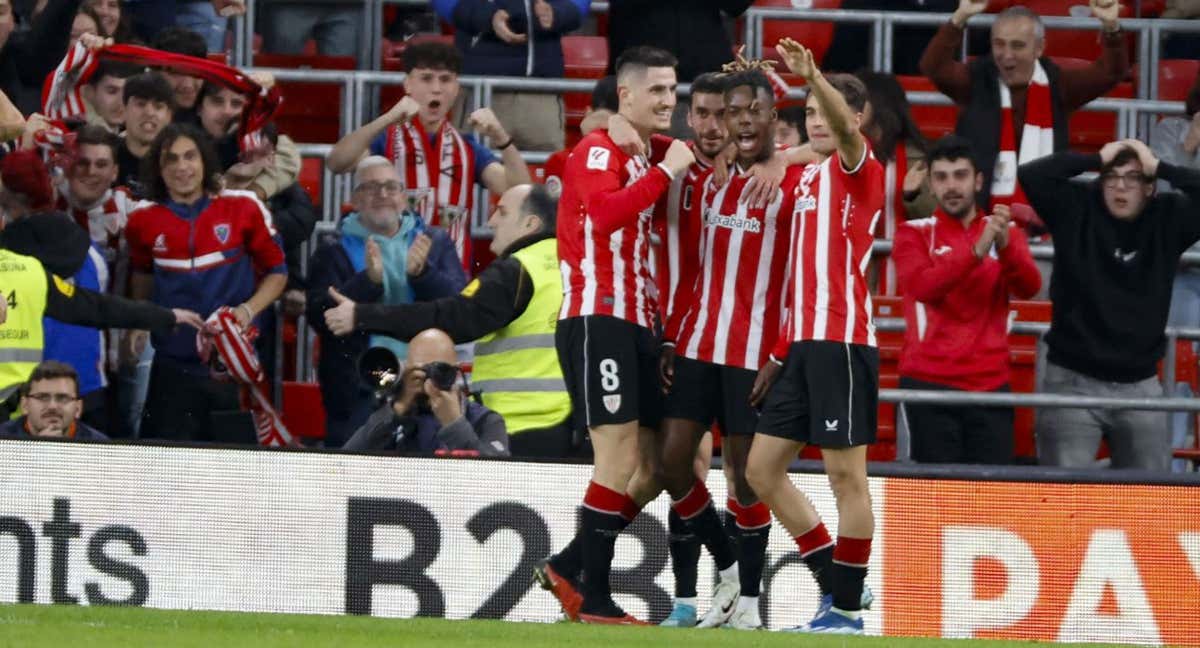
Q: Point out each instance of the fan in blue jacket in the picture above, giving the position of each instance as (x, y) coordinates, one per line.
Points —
(381, 254)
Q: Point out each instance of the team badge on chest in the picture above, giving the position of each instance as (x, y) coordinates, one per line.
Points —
(221, 232)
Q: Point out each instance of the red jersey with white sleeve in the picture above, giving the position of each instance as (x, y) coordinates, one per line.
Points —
(679, 218)
(835, 213)
(740, 291)
(604, 217)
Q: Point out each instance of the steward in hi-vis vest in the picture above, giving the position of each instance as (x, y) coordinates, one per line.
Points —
(510, 311)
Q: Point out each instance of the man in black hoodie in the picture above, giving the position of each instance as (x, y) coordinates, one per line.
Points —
(1117, 245)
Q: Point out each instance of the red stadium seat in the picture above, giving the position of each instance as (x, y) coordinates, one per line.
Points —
(303, 410)
(311, 112)
(310, 177)
(934, 121)
(815, 35)
(585, 57)
(1091, 130)
(1084, 43)
(1176, 78)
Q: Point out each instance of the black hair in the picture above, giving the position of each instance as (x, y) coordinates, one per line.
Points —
(51, 370)
(180, 40)
(542, 204)
(94, 135)
(642, 57)
(151, 171)
(432, 55)
(117, 69)
(794, 117)
(951, 147)
(851, 89)
(1123, 157)
(754, 79)
(1191, 105)
(891, 113)
(709, 83)
(604, 95)
(151, 86)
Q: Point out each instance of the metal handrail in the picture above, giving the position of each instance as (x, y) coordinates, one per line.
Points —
(1036, 400)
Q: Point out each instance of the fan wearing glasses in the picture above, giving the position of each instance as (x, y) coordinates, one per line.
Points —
(50, 401)
(1117, 244)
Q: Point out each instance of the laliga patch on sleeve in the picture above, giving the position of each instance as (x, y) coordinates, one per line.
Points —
(64, 286)
(598, 158)
(471, 288)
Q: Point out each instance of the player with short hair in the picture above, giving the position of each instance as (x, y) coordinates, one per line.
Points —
(739, 287)
(678, 221)
(823, 376)
(605, 337)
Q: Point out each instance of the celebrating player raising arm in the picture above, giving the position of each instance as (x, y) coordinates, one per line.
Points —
(824, 372)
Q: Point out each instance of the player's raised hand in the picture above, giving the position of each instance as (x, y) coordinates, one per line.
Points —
(679, 157)
(404, 110)
(966, 9)
(797, 57)
(1108, 11)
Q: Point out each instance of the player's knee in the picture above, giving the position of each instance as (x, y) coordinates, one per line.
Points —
(760, 478)
(847, 483)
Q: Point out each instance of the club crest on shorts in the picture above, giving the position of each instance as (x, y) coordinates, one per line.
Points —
(612, 403)
(221, 232)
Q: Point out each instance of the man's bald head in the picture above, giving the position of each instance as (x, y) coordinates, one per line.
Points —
(523, 210)
(431, 345)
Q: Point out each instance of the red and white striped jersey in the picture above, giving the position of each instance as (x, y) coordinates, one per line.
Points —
(832, 227)
(739, 292)
(679, 218)
(604, 216)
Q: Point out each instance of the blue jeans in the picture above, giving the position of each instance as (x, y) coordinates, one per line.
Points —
(201, 18)
(1185, 311)
(287, 26)
(132, 385)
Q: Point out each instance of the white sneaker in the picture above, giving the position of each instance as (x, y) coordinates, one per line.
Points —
(745, 619)
(724, 603)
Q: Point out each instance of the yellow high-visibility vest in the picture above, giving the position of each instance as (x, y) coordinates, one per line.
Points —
(516, 368)
(23, 286)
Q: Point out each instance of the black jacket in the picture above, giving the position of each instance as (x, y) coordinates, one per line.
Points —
(52, 238)
(692, 30)
(1112, 279)
(479, 429)
(31, 54)
(295, 217)
(501, 294)
(485, 54)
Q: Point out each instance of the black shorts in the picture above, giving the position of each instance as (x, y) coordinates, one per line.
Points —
(705, 392)
(827, 395)
(611, 370)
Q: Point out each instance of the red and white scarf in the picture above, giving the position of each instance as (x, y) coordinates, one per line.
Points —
(239, 363)
(1037, 137)
(62, 99)
(439, 178)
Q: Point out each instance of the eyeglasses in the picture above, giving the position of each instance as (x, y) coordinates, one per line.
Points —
(59, 399)
(1131, 179)
(388, 188)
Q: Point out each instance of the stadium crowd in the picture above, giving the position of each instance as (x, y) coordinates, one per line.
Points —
(682, 277)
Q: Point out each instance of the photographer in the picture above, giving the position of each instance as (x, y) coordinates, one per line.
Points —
(428, 409)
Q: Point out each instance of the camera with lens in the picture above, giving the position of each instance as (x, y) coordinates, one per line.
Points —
(380, 370)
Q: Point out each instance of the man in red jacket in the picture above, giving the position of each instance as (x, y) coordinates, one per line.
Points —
(958, 269)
